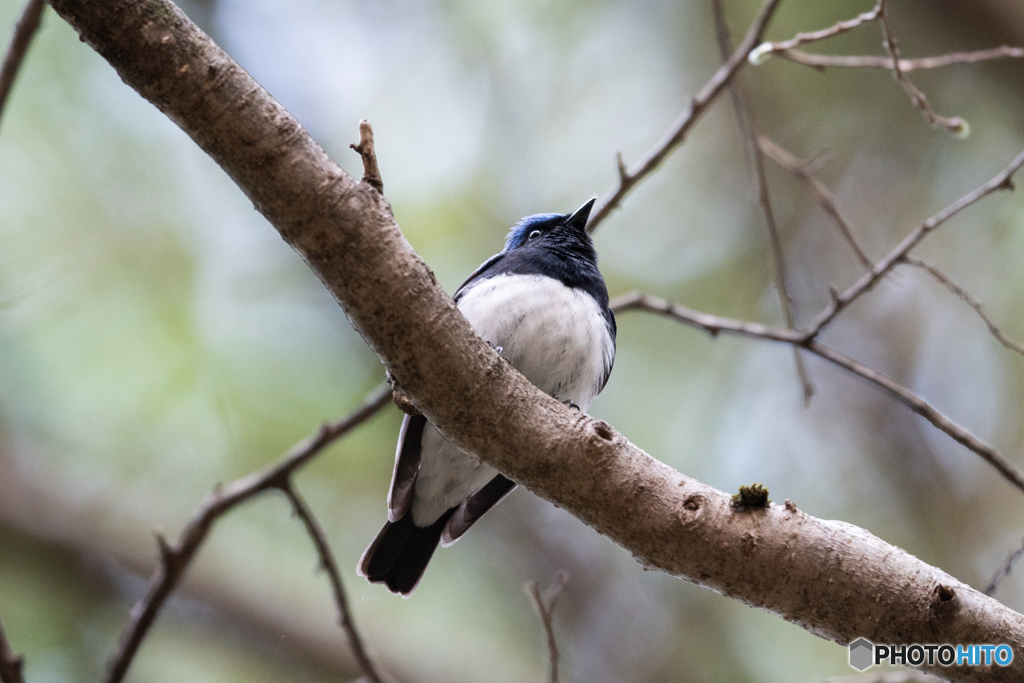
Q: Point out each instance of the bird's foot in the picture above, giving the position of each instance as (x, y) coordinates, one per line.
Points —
(500, 351)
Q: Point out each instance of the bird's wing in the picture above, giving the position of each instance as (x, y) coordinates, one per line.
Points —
(474, 507)
(407, 455)
(407, 465)
(485, 267)
(609, 354)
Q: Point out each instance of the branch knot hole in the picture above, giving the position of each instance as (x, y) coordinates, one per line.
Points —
(692, 510)
(604, 430)
(944, 601)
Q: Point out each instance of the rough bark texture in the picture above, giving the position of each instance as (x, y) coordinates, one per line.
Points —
(833, 579)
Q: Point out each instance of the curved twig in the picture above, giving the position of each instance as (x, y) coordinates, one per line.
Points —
(966, 297)
(875, 62)
(766, 49)
(953, 124)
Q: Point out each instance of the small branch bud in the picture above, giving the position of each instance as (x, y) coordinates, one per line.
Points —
(371, 173)
(760, 54)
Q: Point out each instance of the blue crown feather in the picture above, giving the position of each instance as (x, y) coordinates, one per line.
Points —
(517, 235)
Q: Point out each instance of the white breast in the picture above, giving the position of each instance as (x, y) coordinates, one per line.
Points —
(553, 334)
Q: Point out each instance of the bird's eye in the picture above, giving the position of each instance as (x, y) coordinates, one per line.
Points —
(534, 235)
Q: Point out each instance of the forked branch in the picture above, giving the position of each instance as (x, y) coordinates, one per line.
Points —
(748, 128)
(327, 563)
(175, 559)
(545, 604)
(954, 124)
(764, 50)
(802, 172)
(715, 325)
(1002, 181)
(630, 176)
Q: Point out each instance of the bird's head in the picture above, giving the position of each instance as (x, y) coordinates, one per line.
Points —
(553, 231)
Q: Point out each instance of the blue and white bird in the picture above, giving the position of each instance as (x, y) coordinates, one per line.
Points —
(543, 305)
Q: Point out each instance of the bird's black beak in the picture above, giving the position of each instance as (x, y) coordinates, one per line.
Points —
(578, 219)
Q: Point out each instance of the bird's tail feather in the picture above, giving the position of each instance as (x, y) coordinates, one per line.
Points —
(399, 554)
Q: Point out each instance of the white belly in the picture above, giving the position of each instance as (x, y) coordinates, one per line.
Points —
(447, 476)
(554, 335)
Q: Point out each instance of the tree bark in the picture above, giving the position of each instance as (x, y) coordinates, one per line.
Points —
(834, 579)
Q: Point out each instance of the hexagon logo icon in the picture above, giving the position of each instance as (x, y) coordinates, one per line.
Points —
(861, 654)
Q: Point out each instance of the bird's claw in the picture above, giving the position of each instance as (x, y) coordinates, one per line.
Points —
(500, 350)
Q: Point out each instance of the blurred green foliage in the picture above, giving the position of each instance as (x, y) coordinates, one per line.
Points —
(157, 336)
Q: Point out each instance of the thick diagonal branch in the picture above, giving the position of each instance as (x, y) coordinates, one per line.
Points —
(835, 580)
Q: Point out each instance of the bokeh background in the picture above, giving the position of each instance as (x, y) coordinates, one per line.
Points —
(158, 337)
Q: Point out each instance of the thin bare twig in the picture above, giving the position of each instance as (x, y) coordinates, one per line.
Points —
(1002, 181)
(966, 298)
(748, 128)
(953, 124)
(328, 564)
(629, 177)
(10, 663)
(714, 325)
(763, 51)
(1009, 471)
(1004, 570)
(174, 560)
(371, 172)
(28, 24)
(800, 170)
(545, 604)
(874, 62)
